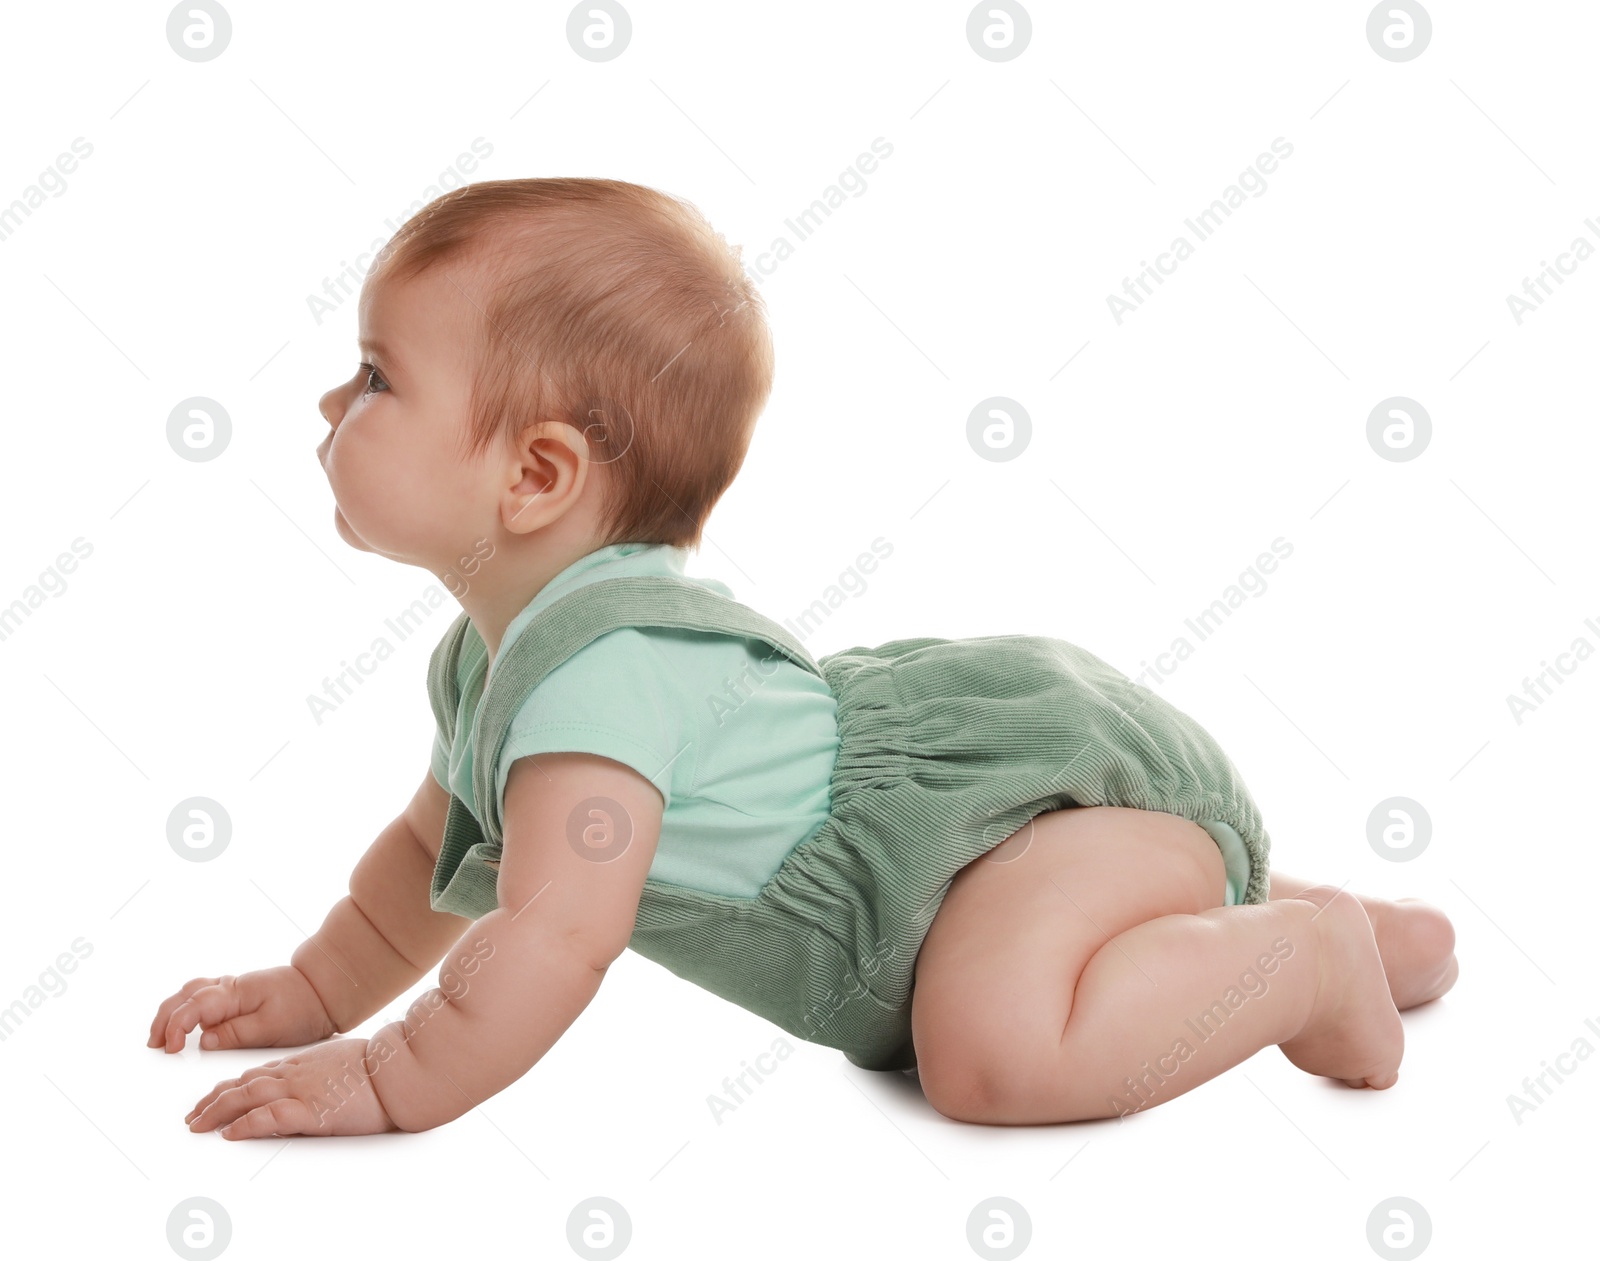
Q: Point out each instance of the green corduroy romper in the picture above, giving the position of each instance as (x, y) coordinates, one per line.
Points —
(946, 748)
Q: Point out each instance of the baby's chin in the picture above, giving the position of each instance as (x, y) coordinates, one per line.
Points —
(347, 532)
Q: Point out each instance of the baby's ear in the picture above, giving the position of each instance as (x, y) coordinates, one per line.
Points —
(547, 472)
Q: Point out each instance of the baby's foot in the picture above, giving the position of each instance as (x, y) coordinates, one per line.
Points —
(1353, 1033)
(1418, 946)
(1415, 939)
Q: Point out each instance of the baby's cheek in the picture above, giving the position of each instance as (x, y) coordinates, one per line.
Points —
(348, 480)
(356, 459)
(358, 488)
(446, 503)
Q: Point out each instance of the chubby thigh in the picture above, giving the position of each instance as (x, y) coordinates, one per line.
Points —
(996, 972)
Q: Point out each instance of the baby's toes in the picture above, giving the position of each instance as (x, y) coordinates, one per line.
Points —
(1380, 1082)
(1424, 946)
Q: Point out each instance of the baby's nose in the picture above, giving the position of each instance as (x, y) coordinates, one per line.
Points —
(328, 405)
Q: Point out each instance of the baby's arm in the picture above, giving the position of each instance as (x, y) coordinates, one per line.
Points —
(567, 903)
(378, 940)
(374, 944)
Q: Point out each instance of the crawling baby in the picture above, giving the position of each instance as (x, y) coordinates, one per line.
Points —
(995, 863)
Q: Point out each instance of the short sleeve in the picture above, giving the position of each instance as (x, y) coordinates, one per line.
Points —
(616, 697)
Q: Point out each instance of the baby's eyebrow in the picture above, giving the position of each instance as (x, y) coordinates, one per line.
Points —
(378, 353)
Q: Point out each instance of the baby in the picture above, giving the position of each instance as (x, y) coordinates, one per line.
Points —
(994, 862)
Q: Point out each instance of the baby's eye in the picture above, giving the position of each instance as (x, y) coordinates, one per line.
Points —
(372, 376)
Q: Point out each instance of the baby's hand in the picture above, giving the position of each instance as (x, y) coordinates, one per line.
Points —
(324, 1090)
(272, 1007)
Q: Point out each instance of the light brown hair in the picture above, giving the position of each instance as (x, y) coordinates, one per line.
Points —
(619, 310)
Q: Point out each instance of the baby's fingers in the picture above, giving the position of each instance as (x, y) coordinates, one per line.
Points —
(250, 1029)
(287, 1116)
(209, 1005)
(158, 1026)
(233, 1098)
(282, 1116)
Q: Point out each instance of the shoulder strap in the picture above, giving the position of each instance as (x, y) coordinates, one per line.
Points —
(444, 687)
(582, 616)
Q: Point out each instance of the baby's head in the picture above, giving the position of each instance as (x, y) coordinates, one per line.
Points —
(546, 363)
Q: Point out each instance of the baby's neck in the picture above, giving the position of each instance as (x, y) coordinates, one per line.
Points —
(506, 576)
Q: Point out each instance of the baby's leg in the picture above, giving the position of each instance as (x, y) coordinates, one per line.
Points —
(1086, 967)
(1416, 940)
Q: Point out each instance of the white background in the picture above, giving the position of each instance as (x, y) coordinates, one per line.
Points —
(1229, 410)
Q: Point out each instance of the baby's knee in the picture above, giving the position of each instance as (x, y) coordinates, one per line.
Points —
(956, 1084)
(976, 1072)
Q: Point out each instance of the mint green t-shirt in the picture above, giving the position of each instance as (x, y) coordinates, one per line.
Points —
(741, 747)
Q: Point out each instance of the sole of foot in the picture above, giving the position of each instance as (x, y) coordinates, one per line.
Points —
(1353, 1034)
